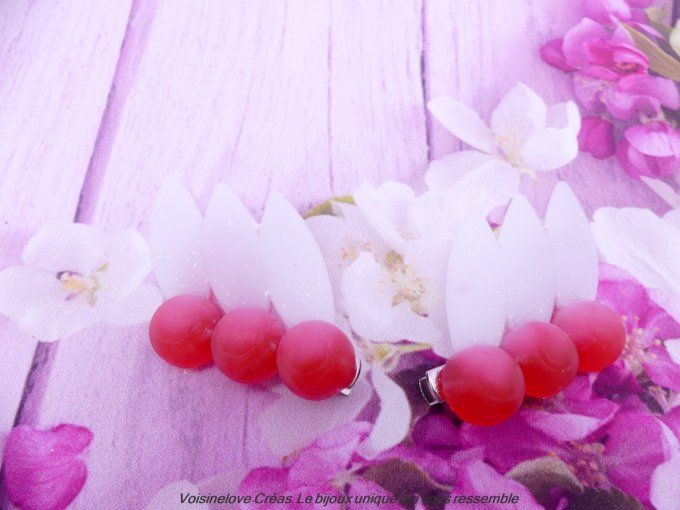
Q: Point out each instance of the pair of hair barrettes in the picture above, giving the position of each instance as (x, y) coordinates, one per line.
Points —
(257, 301)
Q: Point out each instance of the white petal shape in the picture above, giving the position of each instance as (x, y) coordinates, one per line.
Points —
(22, 288)
(565, 115)
(549, 149)
(394, 419)
(573, 244)
(175, 242)
(445, 172)
(475, 293)
(528, 264)
(520, 113)
(673, 217)
(294, 268)
(673, 348)
(137, 307)
(74, 247)
(667, 193)
(641, 243)
(127, 264)
(369, 294)
(231, 252)
(291, 423)
(56, 320)
(385, 209)
(667, 299)
(463, 123)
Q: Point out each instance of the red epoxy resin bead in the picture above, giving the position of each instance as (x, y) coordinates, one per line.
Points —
(316, 360)
(244, 345)
(546, 356)
(482, 384)
(181, 329)
(596, 330)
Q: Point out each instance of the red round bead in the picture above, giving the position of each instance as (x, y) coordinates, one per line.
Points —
(244, 345)
(181, 328)
(546, 355)
(316, 360)
(596, 330)
(482, 384)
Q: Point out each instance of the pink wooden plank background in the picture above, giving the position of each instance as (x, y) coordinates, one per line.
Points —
(99, 102)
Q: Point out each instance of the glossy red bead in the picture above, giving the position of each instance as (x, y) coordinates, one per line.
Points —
(597, 332)
(482, 384)
(244, 345)
(181, 329)
(316, 360)
(546, 356)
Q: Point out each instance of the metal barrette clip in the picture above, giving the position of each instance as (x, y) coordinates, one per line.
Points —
(346, 392)
(429, 387)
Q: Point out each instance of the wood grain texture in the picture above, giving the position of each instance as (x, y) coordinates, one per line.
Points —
(56, 64)
(302, 97)
(476, 51)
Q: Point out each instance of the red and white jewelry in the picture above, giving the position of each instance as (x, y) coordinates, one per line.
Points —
(251, 270)
(501, 294)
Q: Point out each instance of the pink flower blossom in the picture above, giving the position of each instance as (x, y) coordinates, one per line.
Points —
(595, 51)
(597, 137)
(318, 469)
(648, 326)
(641, 94)
(608, 11)
(651, 149)
(42, 468)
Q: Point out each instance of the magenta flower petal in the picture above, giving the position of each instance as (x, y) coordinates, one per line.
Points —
(42, 468)
(641, 94)
(661, 369)
(632, 458)
(651, 149)
(479, 479)
(552, 54)
(597, 137)
(604, 10)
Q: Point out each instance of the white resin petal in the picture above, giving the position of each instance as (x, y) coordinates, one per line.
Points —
(475, 293)
(573, 244)
(231, 252)
(174, 242)
(294, 269)
(528, 264)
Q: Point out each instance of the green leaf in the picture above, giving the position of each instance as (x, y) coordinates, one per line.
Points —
(598, 499)
(327, 206)
(543, 474)
(659, 61)
(408, 483)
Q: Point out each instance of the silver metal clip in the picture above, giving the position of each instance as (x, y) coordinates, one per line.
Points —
(429, 387)
(346, 392)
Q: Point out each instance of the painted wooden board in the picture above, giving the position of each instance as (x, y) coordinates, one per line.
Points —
(56, 65)
(261, 96)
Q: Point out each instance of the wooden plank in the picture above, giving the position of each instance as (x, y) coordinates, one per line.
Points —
(56, 65)
(476, 51)
(261, 95)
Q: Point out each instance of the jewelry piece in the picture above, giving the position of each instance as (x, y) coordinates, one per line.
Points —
(252, 269)
(596, 330)
(545, 354)
(484, 384)
(244, 345)
(181, 329)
